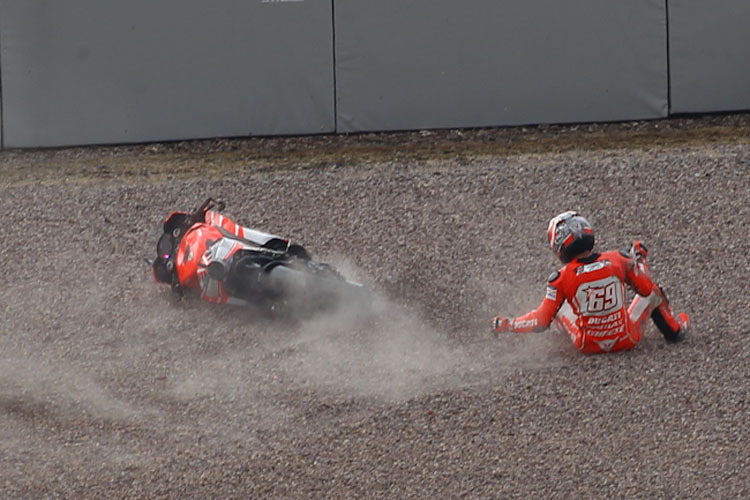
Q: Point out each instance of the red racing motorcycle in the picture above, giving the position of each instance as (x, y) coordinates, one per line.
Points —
(207, 253)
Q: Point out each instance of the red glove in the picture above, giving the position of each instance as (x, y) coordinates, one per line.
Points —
(501, 324)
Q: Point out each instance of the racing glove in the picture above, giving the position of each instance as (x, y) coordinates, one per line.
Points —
(501, 324)
(638, 250)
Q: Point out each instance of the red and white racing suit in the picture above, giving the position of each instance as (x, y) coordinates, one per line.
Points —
(586, 300)
(217, 238)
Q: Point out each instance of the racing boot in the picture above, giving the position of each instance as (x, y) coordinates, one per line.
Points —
(684, 321)
(672, 327)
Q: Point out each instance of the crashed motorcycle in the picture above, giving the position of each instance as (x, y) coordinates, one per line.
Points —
(225, 262)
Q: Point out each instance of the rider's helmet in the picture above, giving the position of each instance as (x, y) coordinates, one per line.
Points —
(569, 234)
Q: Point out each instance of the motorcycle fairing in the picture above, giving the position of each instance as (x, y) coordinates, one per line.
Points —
(192, 247)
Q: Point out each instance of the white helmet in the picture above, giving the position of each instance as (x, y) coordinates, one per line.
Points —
(569, 234)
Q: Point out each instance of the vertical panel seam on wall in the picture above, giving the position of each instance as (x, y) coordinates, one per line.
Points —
(2, 134)
(669, 69)
(333, 49)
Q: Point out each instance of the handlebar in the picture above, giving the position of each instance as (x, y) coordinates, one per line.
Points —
(199, 214)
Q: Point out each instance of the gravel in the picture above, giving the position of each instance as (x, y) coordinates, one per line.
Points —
(110, 388)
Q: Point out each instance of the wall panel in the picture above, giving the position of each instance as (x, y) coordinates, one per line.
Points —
(709, 55)
(88, 71)
(411, 64)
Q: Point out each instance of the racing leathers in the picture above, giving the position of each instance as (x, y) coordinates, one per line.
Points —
(586, 300)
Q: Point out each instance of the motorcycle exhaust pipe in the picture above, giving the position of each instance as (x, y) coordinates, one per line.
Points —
(286, 280)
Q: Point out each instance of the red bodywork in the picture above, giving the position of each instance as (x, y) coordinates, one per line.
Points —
(192, 247)
(211, 237)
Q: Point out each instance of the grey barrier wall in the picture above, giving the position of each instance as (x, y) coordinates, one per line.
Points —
(92, 71)
(709, 48)
(1, 93)
(411, 64)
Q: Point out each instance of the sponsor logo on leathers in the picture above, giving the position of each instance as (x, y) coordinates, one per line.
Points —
(525, 323)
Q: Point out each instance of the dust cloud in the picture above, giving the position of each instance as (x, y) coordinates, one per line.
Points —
(238, 360)
(377, 349)
(385, 350)
(62, 388)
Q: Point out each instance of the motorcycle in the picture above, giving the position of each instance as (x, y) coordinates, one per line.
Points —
(233, 264)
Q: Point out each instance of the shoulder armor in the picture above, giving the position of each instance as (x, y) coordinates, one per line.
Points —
(553, 276)
(626, 254)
